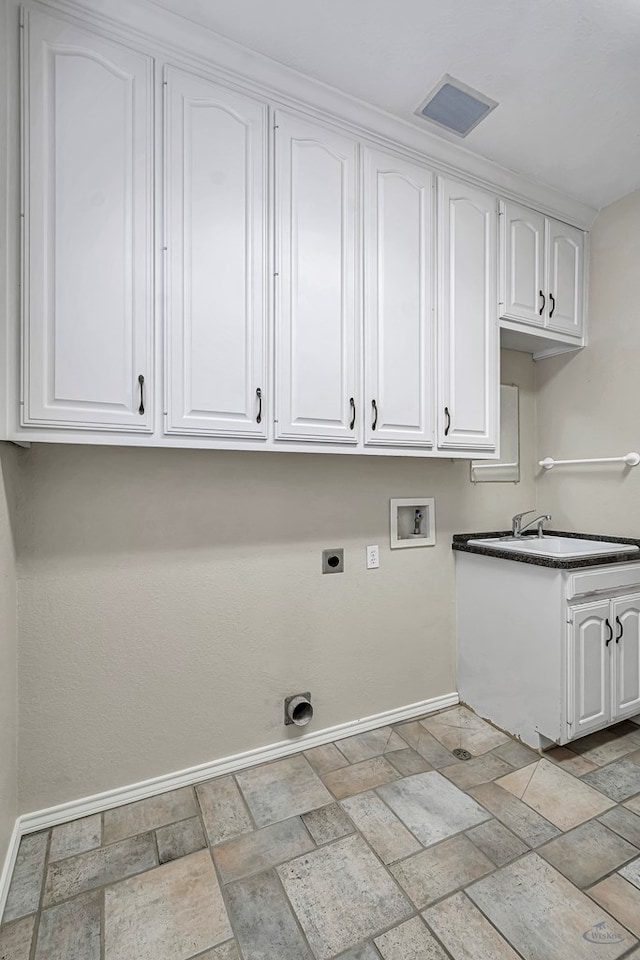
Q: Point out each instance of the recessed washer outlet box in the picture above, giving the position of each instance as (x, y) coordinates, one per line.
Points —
(412, 522)
(333, 560)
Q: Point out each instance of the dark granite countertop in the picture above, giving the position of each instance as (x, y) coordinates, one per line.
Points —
(460, 543)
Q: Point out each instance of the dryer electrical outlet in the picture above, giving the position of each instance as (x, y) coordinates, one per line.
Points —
(333, 560)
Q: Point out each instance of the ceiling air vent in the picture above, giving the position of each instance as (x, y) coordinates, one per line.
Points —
(455, 106)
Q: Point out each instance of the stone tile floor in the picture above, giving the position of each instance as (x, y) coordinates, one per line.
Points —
(383, 845)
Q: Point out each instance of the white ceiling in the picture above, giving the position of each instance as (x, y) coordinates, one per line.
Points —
(566, 73)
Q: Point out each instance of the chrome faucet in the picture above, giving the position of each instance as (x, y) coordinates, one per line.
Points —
(517, 527)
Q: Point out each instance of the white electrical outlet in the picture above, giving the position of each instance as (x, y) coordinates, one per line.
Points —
(373, 558)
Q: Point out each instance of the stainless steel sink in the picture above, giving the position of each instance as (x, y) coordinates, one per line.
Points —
(556, 548)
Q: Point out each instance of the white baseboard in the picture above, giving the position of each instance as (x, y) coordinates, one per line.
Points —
(9, 864)
(75, 809)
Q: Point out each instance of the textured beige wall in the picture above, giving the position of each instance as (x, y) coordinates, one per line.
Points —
(8, 664)
(589, 403)
(170, 599)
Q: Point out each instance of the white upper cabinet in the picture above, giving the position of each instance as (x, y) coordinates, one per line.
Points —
(87, 338)
(398, 333)
(291, 285)
(215, 168)
(541, 271)
(467, 328)
(565, 253)
(316, 213)
(523, 285)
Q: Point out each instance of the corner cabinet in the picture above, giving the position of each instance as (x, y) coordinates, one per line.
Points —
(315, 291)
(542, 272)
(566, 275)
(88, 209)
(215, 242)
(467, 324)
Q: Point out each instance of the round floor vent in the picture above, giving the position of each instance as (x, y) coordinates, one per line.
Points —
(461, 754)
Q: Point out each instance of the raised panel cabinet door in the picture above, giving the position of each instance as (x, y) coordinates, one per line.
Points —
(565, 271)
(467, 318)
(316, 216)
(215, 170)
(589, 668)
(399, 368)
(522, 283)
(626, 651)
(88, 308)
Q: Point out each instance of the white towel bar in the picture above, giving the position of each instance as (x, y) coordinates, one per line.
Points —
(631, 460)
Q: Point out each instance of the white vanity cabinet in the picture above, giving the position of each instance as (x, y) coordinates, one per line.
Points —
(589, 667)
(467, 330)
(399, 374)
(603, 672)
(88, 212)
(625, 669)
(215, 238)
(548, 654)
(542, 272)
(316, 323)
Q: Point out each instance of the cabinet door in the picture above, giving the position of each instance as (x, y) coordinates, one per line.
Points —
(626, 653)
(565, 272)
(467, 318)
(398, 309)
(522, 285)
(88, 209)
(215, 237)
(589, 668)
(316, 216)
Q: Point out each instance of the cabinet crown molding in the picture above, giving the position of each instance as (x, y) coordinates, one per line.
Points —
(166, 34)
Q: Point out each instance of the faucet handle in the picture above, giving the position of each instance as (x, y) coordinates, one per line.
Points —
(516, 522)
(519, 516)
(541, 522)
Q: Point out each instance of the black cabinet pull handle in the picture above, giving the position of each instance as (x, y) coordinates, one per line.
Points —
(610, 629)
(553, 305)
(619, 636)
(374, 407)
(353, 413)
(259, 396)
(542, 306)
(448, 426)
(141, 407)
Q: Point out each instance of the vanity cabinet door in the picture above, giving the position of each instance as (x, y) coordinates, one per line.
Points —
(399, 382)
(215, 168)
(468, 388)
(523, 294)
(565, 272)
(589, 668)
(626, 656)
(315, 313)
(88, 303)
